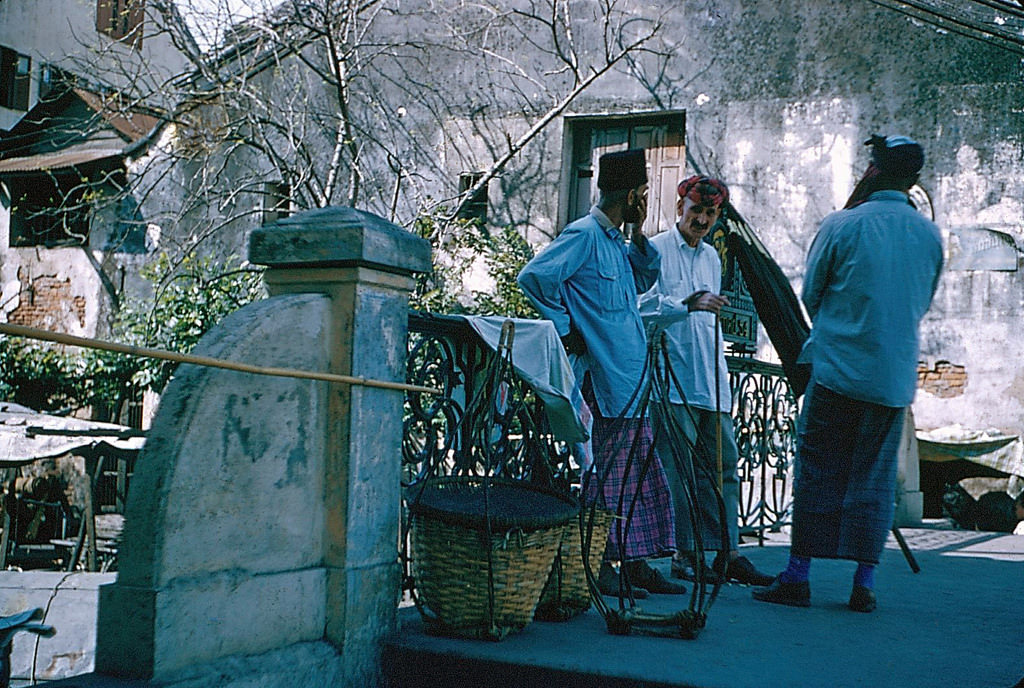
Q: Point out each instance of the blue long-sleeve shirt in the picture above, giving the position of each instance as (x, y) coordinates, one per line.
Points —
(588, 279)
(871, 274)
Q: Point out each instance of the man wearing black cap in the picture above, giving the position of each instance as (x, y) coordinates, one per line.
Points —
(586, 283)
(872, 271)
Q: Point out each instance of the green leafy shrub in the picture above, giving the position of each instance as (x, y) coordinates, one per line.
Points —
(40, 376)
(187, 301)
(459, 249)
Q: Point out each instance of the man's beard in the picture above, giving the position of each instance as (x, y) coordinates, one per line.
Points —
(631, 213)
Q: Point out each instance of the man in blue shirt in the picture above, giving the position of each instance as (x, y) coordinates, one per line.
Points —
(586, 282)
(872, 271)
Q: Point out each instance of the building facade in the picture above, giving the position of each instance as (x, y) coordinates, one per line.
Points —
(775, 98)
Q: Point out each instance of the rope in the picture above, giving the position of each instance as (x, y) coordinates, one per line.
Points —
(653, 393)
(145, 352)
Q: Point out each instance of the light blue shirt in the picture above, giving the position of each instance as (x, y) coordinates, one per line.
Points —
(589, 277)
(871, 274)
(690, 336)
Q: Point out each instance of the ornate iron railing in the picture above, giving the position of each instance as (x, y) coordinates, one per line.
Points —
(445, 353)
(764, 421)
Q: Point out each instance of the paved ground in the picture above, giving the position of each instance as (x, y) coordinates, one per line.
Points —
(959, 622)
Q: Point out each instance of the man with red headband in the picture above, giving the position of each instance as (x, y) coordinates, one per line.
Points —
(872, 271)
(685, 303)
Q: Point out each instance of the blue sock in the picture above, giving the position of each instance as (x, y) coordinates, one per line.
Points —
(798, 571)
(865, 575)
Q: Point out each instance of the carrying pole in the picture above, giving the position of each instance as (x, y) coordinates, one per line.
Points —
(718, 408)
(905, 548)
(90, 343)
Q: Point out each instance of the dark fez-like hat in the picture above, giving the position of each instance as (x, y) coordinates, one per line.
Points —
(622, 170)
(898, 156)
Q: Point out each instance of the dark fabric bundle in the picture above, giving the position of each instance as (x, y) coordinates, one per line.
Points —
(774, 299)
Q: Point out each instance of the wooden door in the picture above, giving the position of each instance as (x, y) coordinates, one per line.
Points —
(663, 140)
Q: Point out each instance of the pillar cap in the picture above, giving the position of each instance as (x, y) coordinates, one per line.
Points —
(339, 236)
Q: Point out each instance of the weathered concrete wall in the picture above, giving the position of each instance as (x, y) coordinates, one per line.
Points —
(67, 289)
(69, 600)
(222, 550)
(779, 98)
(786, 95)
(262, 527)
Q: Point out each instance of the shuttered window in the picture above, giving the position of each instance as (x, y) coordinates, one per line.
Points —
(121, 20)
(15, 79)
(476, 208)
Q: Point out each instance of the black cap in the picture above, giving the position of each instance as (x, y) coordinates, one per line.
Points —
(622, 170)
(897, 156)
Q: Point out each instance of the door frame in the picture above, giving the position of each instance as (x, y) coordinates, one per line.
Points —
(576, 145)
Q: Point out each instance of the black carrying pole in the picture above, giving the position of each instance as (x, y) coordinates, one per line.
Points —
(905, 548)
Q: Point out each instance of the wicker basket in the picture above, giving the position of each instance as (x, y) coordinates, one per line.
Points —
(472, 586)
(566, 593)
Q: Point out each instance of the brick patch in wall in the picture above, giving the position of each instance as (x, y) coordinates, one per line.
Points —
(47, 302)
(944, 380)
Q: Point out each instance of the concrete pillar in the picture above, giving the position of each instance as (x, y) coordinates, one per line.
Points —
(262, 526)
(909, 498)
(365, 265)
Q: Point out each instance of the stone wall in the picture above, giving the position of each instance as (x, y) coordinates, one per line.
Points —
(262, 527)
(779, 98)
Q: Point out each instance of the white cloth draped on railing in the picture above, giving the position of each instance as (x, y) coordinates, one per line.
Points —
(538, 357)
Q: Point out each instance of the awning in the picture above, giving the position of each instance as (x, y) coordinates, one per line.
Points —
(26, 436)
(69, 157)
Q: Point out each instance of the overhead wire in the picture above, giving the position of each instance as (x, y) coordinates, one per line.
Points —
(968, 27)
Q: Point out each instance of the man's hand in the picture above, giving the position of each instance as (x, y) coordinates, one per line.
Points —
(636, 234)
(705, 301)
(573, 342)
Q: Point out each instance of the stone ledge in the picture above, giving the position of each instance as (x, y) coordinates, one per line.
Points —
(339, 237)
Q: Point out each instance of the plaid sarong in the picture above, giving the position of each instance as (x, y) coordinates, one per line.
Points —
(625, 460)
(844, 484)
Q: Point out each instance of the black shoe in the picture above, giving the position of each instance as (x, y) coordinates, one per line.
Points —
(792, 594)
(863, 599)
(685, 569)
(608, 584)
(651, 579)
(742, 570)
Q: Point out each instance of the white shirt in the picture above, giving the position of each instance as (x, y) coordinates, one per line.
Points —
(690, 336)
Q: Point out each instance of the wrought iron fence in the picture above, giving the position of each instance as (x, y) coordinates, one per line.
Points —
(764, 421)
(445, 353)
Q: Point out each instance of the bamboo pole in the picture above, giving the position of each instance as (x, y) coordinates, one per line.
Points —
(90, 343)
(718, 409)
